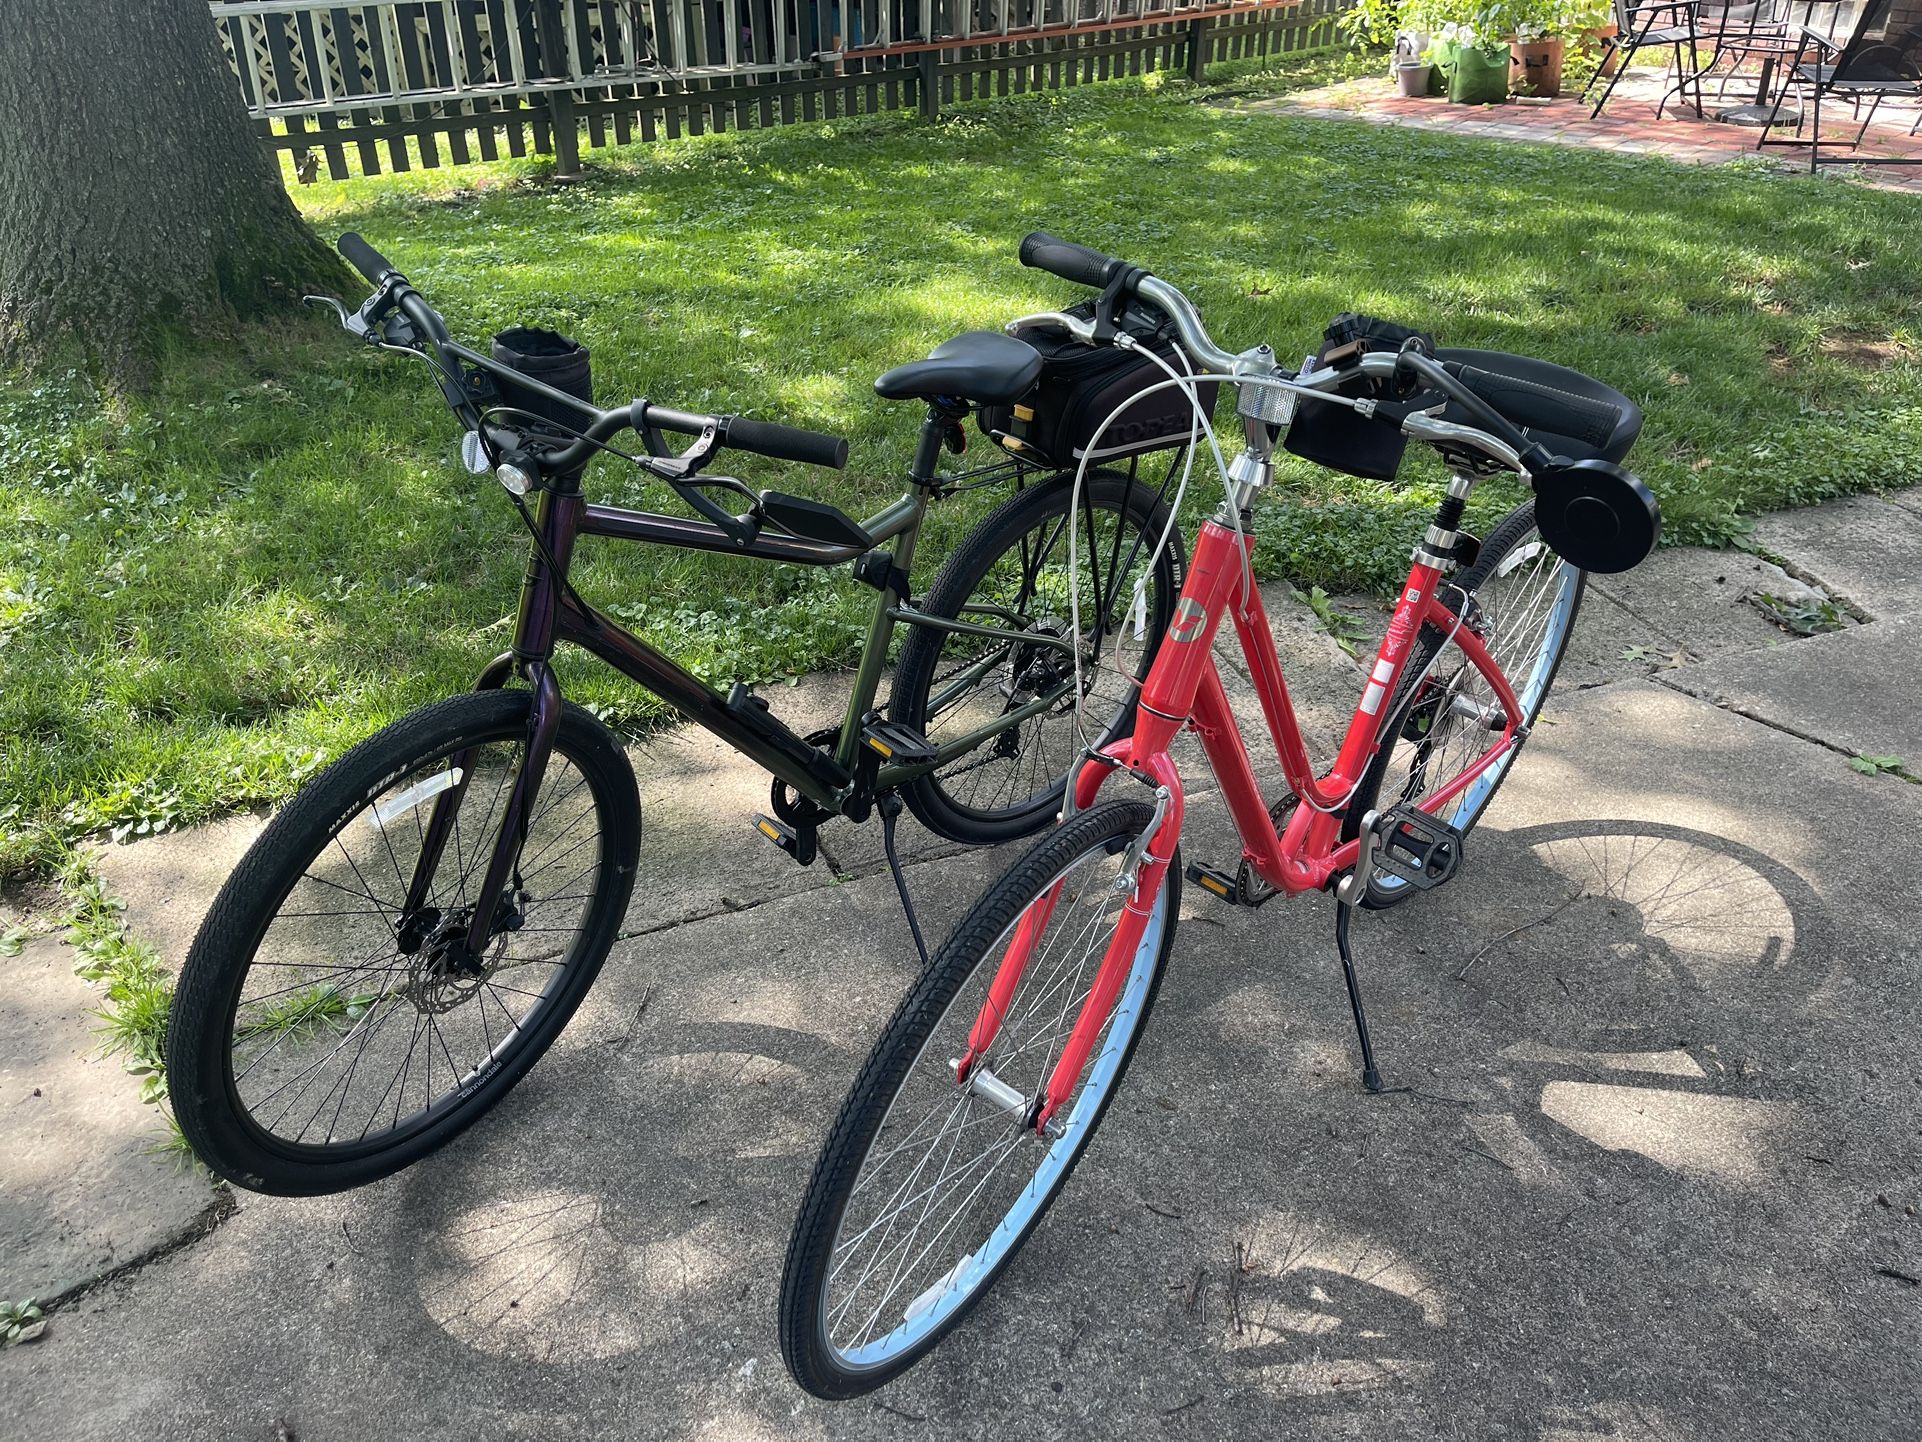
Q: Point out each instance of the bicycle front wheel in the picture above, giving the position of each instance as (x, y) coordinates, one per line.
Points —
(1011, 574)
(1521, 598)
(325, 1034)
(927, 1186)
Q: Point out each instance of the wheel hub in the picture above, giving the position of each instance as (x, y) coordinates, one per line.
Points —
(443, 971)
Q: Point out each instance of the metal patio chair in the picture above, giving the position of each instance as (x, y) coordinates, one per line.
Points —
(1881, 58)
(1764, 34)
(1654, 25)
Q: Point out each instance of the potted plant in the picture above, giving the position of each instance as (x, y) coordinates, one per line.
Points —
(1535, 60)
(1591, 24)
(1404, 25)
(1475, 58)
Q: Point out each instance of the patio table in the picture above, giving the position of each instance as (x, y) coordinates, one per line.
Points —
(1770, 39)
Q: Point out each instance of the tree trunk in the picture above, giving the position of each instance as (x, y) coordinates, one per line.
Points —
(135, 191)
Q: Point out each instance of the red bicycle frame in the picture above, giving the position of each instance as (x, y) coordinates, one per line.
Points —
(1184, 688)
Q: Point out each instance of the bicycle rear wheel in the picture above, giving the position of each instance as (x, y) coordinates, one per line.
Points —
(1522, 600)
(323, 1035)
(1011, 573)
(927, 1187)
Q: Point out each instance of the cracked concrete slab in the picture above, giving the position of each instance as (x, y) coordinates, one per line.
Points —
(1855, 689)
(1865, 548)
(1672, 1082)
(80, 1191)
(1695, 601)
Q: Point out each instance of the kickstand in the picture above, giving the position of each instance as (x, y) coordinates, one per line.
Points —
(890, 809)
(1370, 1078)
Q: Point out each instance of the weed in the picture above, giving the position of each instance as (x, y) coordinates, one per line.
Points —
(1876, 765)
(1805, 616)
(136, 991)
(21, 1322)
(321, 1007)
(1346, 629)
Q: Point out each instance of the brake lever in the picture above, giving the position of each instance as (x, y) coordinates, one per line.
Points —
(688, 463)
(1077, 328)
(350, 321)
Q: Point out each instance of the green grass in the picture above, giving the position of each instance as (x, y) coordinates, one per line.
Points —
(207, 591)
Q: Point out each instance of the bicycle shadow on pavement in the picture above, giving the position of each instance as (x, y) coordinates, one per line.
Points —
(1653, 1130)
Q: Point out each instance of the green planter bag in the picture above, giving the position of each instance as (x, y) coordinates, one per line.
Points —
(1441, 65)
(1478, 77)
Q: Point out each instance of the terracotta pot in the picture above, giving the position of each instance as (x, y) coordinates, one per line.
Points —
(1535, 67)
(1594, 41)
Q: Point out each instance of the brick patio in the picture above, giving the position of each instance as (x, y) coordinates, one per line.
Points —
(1628, 124)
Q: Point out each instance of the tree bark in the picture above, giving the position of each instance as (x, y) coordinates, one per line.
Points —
(135, 191)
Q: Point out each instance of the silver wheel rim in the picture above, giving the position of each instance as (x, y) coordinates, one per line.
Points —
(1528, 604)
(923, 1306)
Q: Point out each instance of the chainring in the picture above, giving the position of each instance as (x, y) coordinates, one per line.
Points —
(1250, 889)
(787, 803)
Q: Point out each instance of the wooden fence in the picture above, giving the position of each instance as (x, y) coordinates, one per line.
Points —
(468, 80)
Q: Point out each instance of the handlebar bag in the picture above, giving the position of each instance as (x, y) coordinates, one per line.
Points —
(1079, 385)
(550, 358)
(1334, 436)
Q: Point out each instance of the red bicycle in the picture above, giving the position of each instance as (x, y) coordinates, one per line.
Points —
(992, 1076)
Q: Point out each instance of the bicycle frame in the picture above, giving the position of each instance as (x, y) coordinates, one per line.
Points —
(1184, 688)
(844, 782)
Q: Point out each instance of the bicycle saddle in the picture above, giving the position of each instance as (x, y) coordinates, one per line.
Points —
(983, 366)
(1565, 410)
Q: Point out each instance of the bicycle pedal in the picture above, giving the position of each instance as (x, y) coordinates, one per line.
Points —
(1218, 884)
(796, 841)
(898, 743)
(1420, 848)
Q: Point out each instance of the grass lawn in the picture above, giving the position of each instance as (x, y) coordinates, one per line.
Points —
(207, 591)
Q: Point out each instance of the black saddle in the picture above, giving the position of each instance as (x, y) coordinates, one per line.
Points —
(983, 366)
(1566, 411)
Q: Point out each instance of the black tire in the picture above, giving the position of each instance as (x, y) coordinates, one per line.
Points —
(1023, 769)
(1095, 838)
(1422, 718)
(253, 938)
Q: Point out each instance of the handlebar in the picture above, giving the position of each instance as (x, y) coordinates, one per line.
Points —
(1079, 263)
(453, 361)
(785, 443)
(1493, 434)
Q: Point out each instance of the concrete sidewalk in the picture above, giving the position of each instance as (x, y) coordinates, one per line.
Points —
(1655, 1174)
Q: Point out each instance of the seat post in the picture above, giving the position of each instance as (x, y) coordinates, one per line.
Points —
(927, 451)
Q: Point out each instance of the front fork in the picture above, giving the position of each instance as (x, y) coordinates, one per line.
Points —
(543, 725)
(1143, 873)
(557, 520)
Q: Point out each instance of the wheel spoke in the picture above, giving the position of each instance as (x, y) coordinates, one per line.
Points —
(315, 1052)
(948, 1166)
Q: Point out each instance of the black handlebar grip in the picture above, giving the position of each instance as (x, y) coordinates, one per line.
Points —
(1542, 407)
(786, 443)
(365, 259)
(1078, 263)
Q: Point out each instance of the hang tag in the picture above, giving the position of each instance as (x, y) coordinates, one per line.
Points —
(1139, 615)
